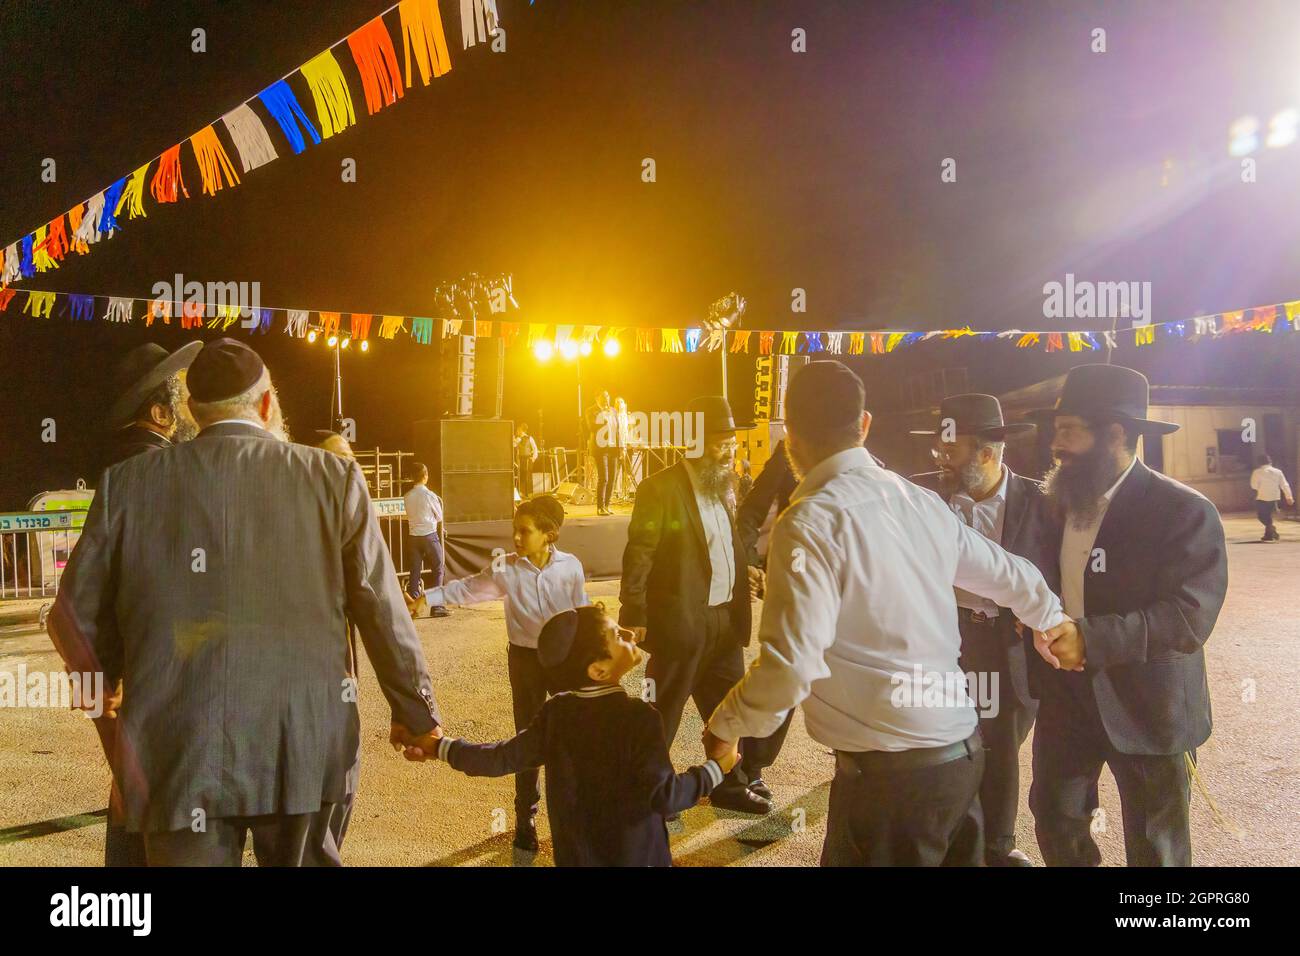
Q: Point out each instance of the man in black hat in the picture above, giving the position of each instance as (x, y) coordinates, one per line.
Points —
(225, 615)
(1011, 510)
(1143, 572)
(150, 409)
(685, 587)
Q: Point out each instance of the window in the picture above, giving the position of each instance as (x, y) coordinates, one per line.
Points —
(1234, 454)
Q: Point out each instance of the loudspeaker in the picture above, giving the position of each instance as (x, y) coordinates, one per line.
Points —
(475, 445)
(457, 375)
(470, 465)
(478, 496)
(572, 493)
(489, 377)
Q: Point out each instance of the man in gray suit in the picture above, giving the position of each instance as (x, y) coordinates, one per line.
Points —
(215, 579)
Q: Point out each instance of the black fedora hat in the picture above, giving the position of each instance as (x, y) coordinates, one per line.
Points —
(975, 414)
(142, 370)
(717, 414)
(1106, 391)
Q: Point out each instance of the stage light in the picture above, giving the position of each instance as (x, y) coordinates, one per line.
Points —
(543, 350)
(611, 347)
(569, 350)
(1243, 136)
(311, 336)
(365, 345)
(585, 349)
(332, 341)
(346, 343)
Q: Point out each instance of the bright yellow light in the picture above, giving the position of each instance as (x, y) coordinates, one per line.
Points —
(311, 336)
(569, 350)
(585, 349)
(612, 347)
(365, 345)
(543, 350)
(332, 341)
(347, 342)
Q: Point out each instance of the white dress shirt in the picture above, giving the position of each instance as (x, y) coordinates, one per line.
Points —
(532, 596)
(423, 510)
(987, 517)
(1076, 550)
(1269, 484)
(860, 595)
(717, 533)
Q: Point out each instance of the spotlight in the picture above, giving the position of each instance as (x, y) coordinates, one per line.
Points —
(569, 350)
(365, 345)
(346, 343)
(311, 336)
(1243, 136)
(332, 341)
(543, 350)
(585, 349)
(1282, 129)
(611, 347)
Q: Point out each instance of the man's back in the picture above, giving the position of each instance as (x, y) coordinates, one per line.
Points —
(230, 561)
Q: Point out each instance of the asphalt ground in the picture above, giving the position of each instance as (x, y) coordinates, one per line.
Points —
(54, 782)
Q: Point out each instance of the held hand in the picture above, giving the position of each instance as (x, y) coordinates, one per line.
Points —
(1043, 644)
(413, 604)
(757, 582)
(1067, 645)
(424, 747)
(725, 752)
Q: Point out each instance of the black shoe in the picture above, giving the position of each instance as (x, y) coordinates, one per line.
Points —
(756, 785)
(440, 612)
(1010, 858)
(738, 797)
(526, 836)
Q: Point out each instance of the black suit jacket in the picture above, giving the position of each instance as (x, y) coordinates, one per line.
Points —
(1149, 613)
(1031, 531)
(666, 569)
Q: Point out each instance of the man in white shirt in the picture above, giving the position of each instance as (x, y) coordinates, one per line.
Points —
(860, 626)
(423, 515)
(525, 455)
(1270, 487)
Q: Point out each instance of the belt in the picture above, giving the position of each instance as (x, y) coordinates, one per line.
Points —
(978, 618)
(891, 761)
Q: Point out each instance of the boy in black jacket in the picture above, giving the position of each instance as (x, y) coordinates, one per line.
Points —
(609, 782)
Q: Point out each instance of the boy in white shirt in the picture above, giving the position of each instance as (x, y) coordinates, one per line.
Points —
(423, 515)
(537, 582)
(1270, 486)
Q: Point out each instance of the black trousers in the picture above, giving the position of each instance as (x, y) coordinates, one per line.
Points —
(704, 673)
(123, 848)
(527, 695)
(1265, 510)
(1070, 747)
(426, 551)
(905, 817)
(1000, 788)
(304, 839)
(606, 467)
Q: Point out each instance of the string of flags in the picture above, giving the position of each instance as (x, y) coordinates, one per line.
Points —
(374, 54)
(486, 307)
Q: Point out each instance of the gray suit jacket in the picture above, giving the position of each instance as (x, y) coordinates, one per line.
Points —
(235, 658)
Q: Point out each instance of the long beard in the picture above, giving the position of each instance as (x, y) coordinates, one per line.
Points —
(1075, 487)
(715, 480)
(185, 429)
(277, 426)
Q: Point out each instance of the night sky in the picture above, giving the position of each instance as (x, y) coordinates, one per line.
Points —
(775, 170)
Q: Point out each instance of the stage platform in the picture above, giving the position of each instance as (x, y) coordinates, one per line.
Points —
(596, 540)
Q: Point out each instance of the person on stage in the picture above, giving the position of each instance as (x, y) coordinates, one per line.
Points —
(859, 620)
(685, 589)
(1270, 487)
(224, 615)
(602, 427)
(536, 582)
(1144, 571)
(424, 516)
(609, 780)
(969, 441)
(525, 457)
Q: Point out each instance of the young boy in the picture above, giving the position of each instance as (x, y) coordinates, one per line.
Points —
(537, 582)
(609, 782)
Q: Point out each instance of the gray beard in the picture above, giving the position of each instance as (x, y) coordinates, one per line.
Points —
(714, 480)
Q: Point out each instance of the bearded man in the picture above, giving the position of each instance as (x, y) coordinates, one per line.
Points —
(150, 407)
(686, 587)
(1144, 572)
(1009, 510)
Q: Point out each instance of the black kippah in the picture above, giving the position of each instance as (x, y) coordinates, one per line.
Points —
(223, 369)
(555, 643)
(824, 394)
